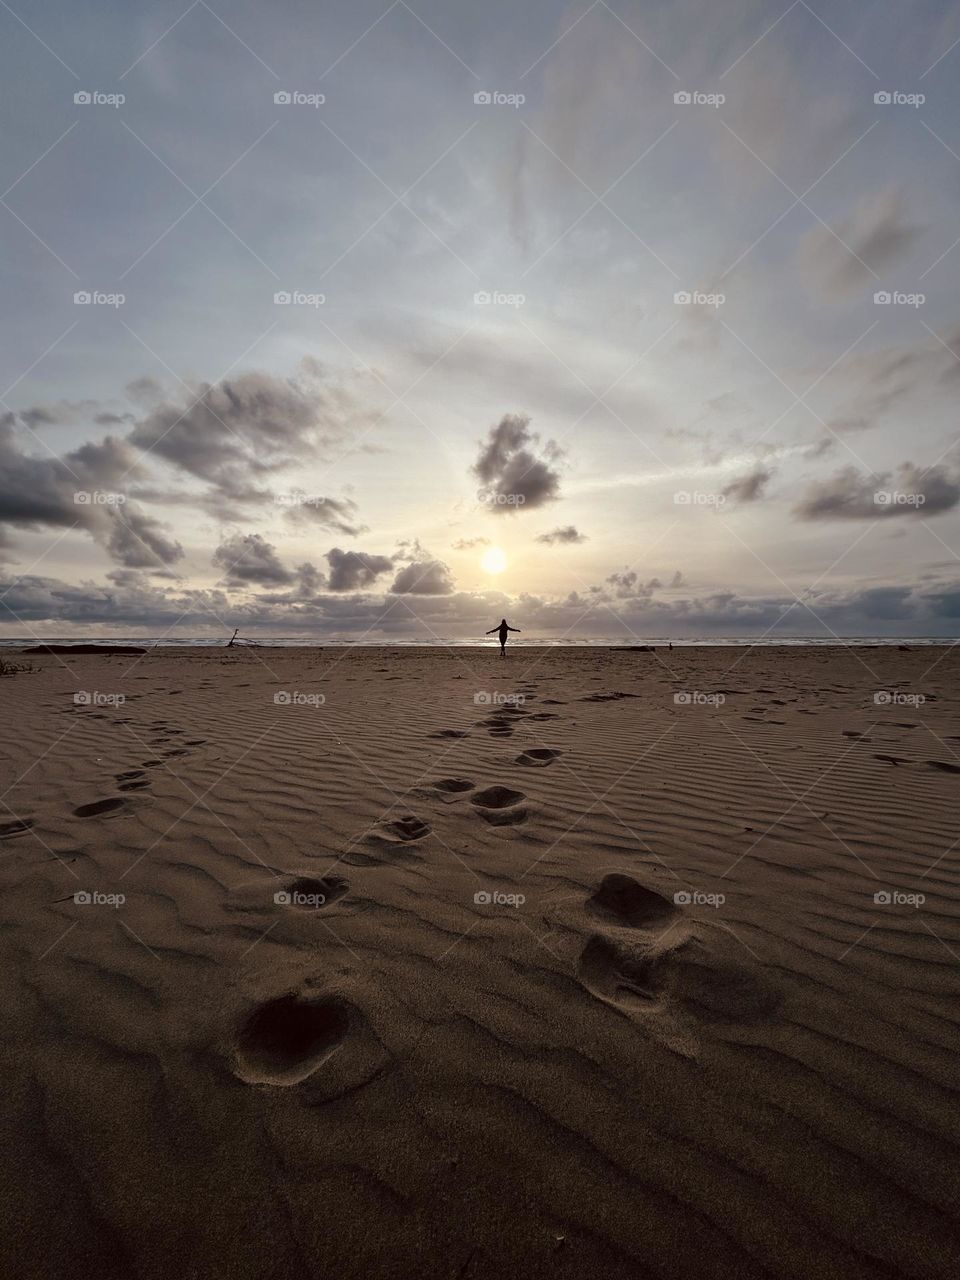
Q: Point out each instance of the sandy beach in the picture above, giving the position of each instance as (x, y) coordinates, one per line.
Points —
(378, 963)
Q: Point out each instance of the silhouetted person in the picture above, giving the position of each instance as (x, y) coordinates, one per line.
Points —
(502, 633)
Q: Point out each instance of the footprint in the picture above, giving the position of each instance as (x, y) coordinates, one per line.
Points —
(128, 776)
(449, 733)
(944, 766)
(93, 810)
(133, 786)
(498, 806)
(312, 893)
(497, 798)
(453, 785)
(409, 827)
(624, 975)
(671, 965)
(625, 901)
(538, 757)
(287, 1039)
(19, 827)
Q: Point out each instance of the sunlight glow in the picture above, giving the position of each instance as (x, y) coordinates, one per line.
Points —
(493, 561)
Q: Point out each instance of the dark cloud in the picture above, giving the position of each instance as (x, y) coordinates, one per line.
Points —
(511, 475)
(467, 544)
(248, 558)
(131, 602)
(749, 487)
(138, 541)
(82, 489)
(336, 514)
(423, 578)
(353, 570)
(568, 533)
(849, 495)
(237, 433)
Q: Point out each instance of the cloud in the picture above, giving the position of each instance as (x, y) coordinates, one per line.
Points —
(82, 489)
(423, 578)
(351, 570)
(138, 541)
(568, 533)
(749, 487)
(467, 544)
(873, 236)
(248, 558)
(511, 475)
(849, 495)
(337, 514)
(244, 429)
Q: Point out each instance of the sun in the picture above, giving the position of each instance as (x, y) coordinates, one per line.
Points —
(494, 560)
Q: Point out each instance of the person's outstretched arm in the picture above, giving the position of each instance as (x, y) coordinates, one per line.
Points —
(491, 631)
(513, 628)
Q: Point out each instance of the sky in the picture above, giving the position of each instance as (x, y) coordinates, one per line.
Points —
(373, 320)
